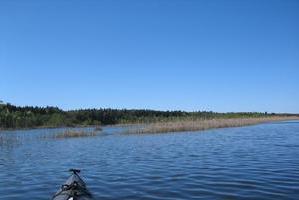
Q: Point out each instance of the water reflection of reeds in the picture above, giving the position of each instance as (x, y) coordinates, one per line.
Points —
(9, 141)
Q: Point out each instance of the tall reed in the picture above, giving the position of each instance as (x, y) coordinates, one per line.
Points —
(74, 134)
(200, 124)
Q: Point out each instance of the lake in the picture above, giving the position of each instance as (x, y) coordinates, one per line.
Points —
(254, 162)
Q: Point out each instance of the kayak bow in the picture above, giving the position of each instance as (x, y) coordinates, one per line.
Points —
(73, 189)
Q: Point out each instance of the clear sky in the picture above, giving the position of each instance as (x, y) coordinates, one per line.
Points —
(220, 55)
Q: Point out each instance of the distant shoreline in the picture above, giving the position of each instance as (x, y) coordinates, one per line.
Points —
(21, 118)
(177, 126)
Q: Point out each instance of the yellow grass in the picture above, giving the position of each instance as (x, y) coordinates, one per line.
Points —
(199, 124)
(74, 134)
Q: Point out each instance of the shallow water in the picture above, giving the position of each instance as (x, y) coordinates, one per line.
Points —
(254, 162)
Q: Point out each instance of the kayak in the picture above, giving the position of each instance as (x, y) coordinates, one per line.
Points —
(73, 189)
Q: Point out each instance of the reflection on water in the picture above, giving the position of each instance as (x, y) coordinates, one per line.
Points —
(256, 162)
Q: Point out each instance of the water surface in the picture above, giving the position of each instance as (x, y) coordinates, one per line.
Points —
(254, 162)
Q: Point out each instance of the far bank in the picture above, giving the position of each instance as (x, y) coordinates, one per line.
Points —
(28, 117)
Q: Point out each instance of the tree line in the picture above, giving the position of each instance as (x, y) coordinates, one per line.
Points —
(12, 116)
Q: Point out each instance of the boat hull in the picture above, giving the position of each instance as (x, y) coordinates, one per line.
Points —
(73, 189)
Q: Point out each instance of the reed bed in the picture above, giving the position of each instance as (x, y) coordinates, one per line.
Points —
(98, 128)
(74, 134)
(200, 124)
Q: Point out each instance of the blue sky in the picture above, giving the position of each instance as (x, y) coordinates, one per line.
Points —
(190, 55)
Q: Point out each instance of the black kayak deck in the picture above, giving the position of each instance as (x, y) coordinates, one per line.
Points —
(73, 189)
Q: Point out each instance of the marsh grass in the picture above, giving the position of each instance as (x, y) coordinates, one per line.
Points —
(200, 124)
(74, 134)
(98, 128)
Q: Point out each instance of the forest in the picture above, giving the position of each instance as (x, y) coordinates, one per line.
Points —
(19, 117)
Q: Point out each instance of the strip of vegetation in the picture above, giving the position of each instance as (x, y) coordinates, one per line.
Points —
(16, 117)
(73, 134)
(197, 125)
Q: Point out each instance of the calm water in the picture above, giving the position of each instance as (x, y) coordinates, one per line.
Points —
(255, 162)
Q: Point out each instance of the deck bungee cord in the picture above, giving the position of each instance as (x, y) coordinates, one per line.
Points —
(73, 189)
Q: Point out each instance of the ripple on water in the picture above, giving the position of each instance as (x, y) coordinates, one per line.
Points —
(256, 162)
